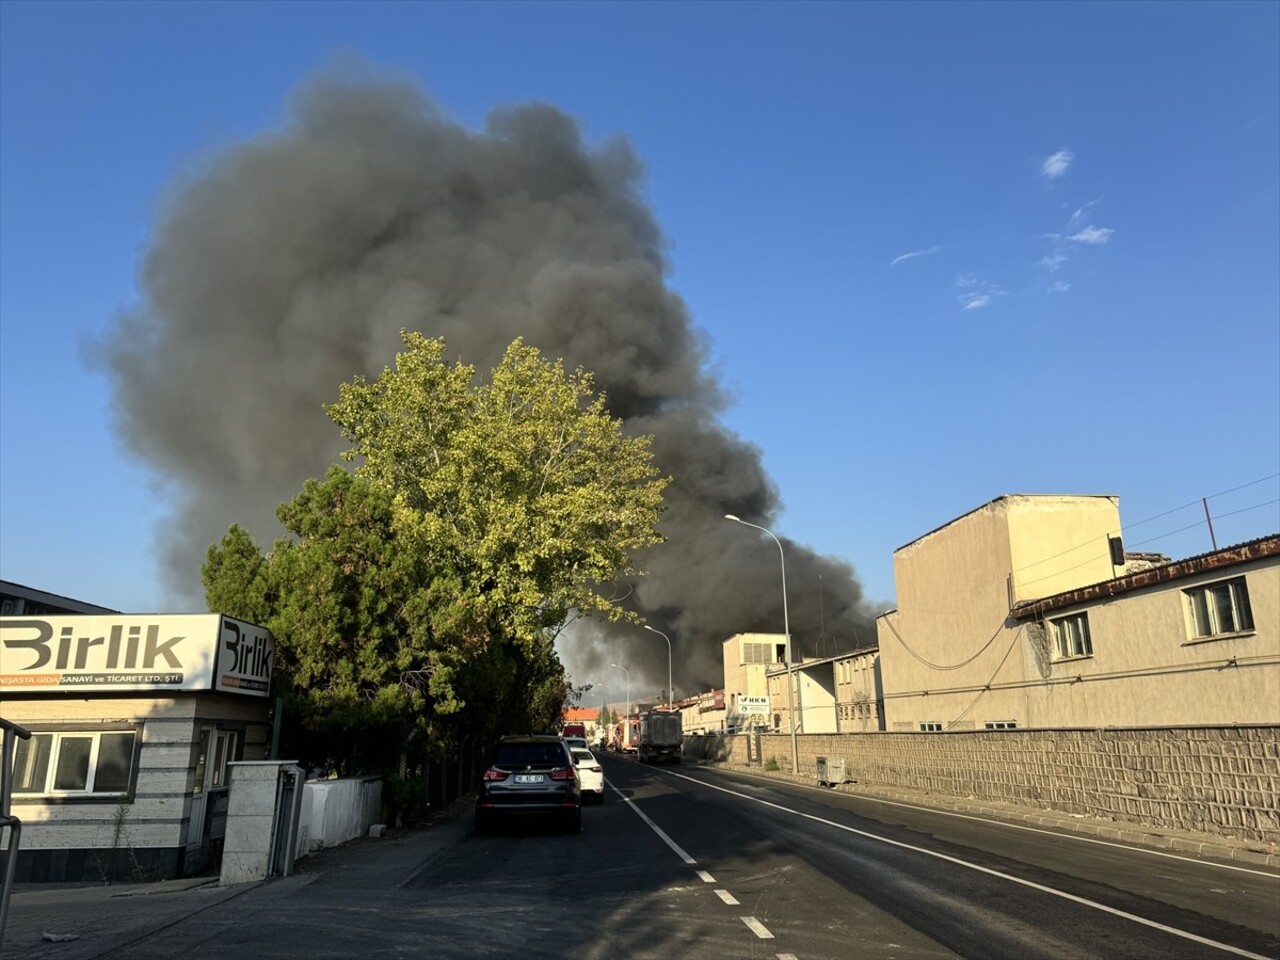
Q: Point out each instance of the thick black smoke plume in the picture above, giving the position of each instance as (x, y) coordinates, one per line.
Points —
(291, 263)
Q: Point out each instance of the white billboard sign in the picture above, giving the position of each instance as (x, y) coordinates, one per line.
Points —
(753, 706)
(156, 653)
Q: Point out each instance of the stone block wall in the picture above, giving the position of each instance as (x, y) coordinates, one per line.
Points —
(1218, 780)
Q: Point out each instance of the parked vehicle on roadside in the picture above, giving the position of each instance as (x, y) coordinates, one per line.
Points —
(531, 777)
(590, 775)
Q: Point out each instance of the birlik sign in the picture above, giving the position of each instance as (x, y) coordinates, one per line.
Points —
(156, 653)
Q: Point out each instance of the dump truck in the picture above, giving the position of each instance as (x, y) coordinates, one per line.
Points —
(661, 737)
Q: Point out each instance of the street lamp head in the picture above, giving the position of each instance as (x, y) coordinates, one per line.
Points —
(730, 516)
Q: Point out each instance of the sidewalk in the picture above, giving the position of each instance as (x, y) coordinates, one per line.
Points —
(118, 920)
(1210, 846)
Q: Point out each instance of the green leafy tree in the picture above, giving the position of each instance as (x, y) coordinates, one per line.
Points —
(415, 601)
(235, 576)
(525, 484)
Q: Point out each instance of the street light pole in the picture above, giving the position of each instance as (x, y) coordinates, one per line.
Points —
(671, 694)
(786, 627)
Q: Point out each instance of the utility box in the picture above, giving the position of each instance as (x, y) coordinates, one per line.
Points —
(830, 771)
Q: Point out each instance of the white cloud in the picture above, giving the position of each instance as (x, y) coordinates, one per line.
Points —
(1056, 165)
(977, 293)
(1054, 260)
(1092, 235)
(1059, 286)
(914, 253)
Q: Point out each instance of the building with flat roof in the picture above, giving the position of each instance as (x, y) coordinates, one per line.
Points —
(1027, 612)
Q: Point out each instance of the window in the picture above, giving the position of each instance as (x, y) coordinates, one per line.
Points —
(1072, 636)
(931, 727)
(1001, 725)
(1218, 608)
(69, 764)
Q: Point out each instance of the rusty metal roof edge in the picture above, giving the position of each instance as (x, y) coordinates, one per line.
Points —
(1259, 549)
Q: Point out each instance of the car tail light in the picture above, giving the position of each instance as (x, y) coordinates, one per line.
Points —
(493, 773)
(566, 773)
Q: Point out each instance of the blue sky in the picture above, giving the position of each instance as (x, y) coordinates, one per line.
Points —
(941, 252)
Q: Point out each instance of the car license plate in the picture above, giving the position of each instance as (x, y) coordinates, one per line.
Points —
(528, 778)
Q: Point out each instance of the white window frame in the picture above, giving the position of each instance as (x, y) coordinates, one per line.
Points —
(1206, 604)
(1000, 725)
(1071, 638)
(57, 739)
(930, 726)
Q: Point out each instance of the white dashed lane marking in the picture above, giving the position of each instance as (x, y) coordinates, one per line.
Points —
(756, 927)
(727, 897)
(706, 877)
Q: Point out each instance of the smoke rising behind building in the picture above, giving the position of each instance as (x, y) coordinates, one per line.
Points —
(290, 263)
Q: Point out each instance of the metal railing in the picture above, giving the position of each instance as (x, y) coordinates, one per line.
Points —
(10, 733)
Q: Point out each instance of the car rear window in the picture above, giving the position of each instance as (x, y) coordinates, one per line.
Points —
(531, 754)
(583, 755)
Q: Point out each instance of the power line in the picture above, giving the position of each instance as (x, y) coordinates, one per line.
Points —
(986, 687)
(1159, 536)
(936, 666)
(1124, 528)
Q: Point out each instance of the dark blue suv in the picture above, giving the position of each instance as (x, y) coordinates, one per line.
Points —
(530, 776)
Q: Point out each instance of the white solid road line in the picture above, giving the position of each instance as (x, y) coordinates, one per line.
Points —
(727, 897)
(756, 927)
(1226, 947)
(1012, 826)
(654, 827)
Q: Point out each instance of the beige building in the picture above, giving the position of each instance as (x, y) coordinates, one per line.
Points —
(747, 658)
(1026, 612)
(813, 693)
(859, 697)
(704, 713)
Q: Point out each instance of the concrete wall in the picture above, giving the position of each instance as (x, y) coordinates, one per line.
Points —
(251, 817)
(1218, 780)
(335, 811)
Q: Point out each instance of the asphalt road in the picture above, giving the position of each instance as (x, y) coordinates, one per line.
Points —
(683, 862)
